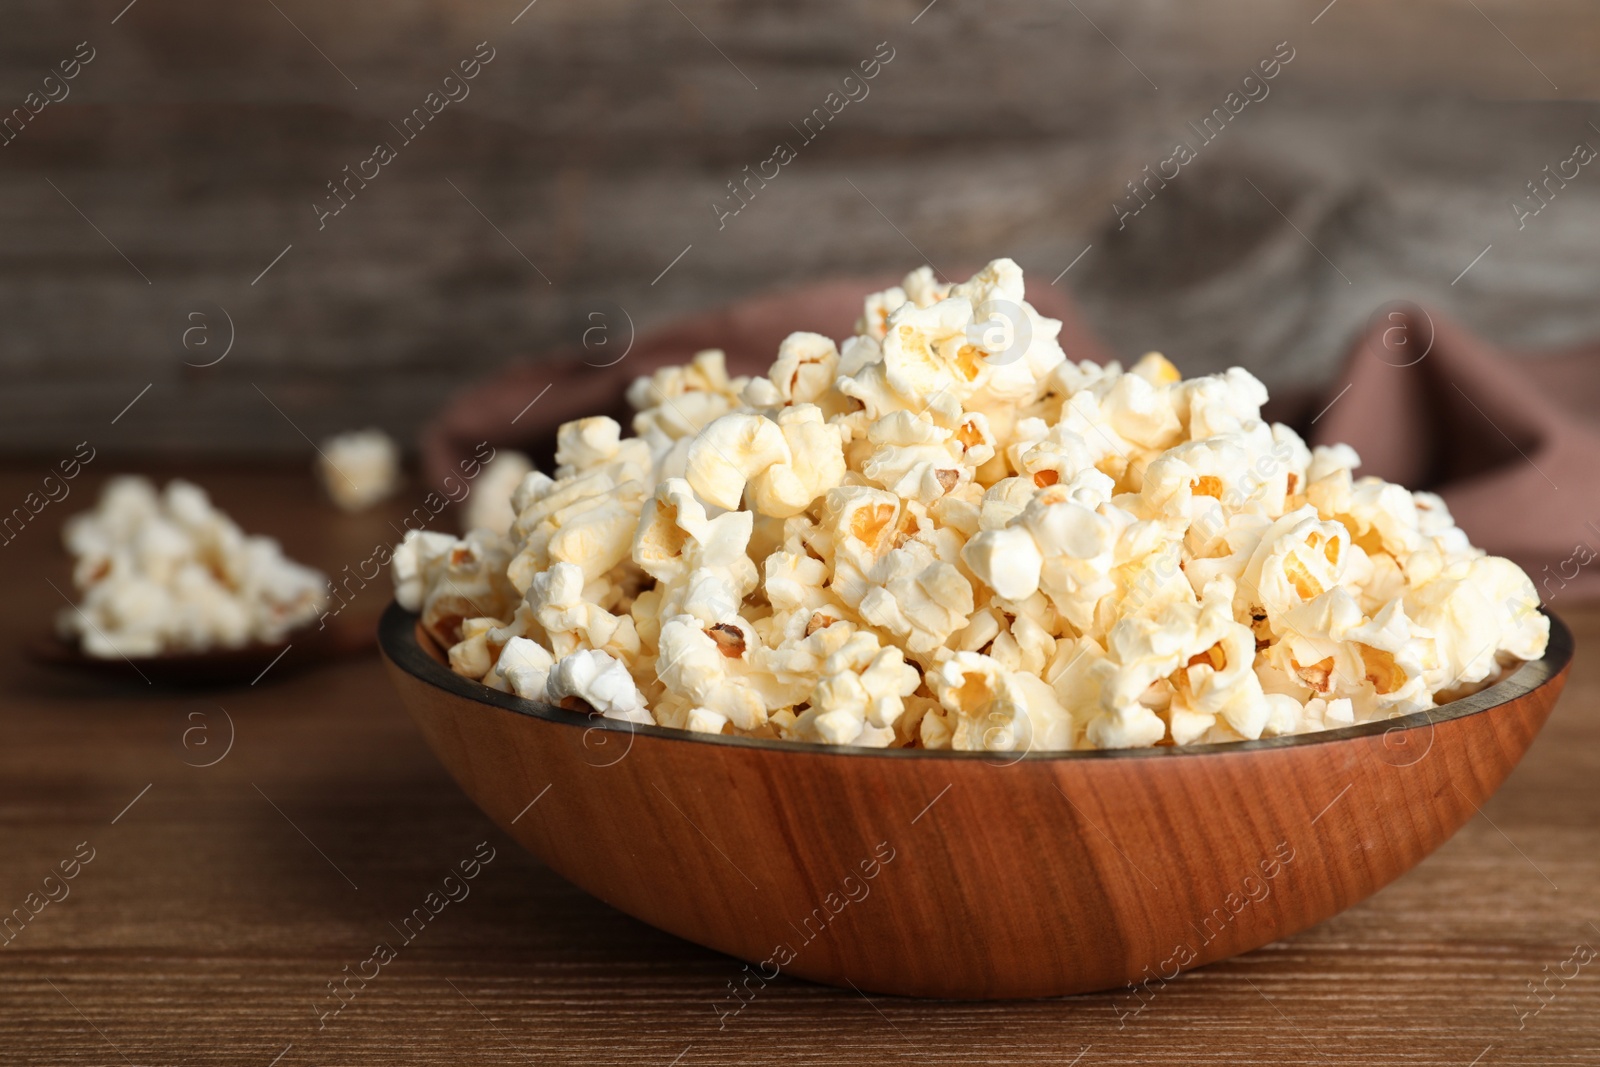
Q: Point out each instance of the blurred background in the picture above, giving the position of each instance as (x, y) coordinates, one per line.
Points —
(165, 205)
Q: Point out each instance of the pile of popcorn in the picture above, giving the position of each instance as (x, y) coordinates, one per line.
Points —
(167, 572)
(943, 534)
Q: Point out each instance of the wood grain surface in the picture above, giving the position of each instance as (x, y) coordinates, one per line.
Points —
(188, 156)
(220, 905)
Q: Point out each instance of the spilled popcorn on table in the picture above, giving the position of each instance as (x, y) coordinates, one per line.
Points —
(359, 468)
(943, 534)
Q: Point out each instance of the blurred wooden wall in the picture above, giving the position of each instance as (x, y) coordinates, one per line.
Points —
(190, 151)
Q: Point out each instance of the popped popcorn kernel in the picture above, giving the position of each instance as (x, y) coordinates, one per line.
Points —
(941, 533)
(359, 468)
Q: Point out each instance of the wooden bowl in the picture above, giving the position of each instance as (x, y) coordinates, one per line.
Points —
(949, 874)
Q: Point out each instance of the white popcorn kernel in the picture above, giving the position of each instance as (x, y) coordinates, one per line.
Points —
(815, 464)
(359, 468)
(583, 444)
(1156, 369)
(705, 721)
(414, 564)
(587, 519)
(1140, 409)
(1128, 726)
(1327, 460)
(731, 451)
(489, 505)
(859, 696)
(863, 522)
(919, 601)
(1223, 403)
(707, 664)
(927, 351)
(525, 665)
(600, 683)
(1476, 610)
(1299, 558)
(559, 602)
(1007, 560)
(986, 708)
(923, 288)
(874, 321)
(1285, 715)
(468, 581)
(804, 370)
(693, 557)
(912, 457)
(470, 656)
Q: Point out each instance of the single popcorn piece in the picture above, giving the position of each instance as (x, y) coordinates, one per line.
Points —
(359, 468)
(730, 452)
(524, 665)
(166, 571)
(489, 501)
(415, 565)
(941, 533)
(593, 681)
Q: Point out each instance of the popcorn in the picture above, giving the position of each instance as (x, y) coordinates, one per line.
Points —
(570, 621)
(1007, 560)
(940, 533)
(593, 681)
(415, 565)
(587, 518)
(815, 463)
(802, 374)
(168, 572)
(465, 580)
(359, 468)
(991, 709)
(524, 666)
(731, 451)
(693, 661)
(489, 506)
(860, 696)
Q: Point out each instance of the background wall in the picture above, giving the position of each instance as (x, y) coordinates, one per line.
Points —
(178, 177)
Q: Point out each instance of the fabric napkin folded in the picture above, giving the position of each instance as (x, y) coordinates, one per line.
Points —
(1430, 406)
(1507, 440)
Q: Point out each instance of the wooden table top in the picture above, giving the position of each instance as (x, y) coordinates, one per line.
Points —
(212, 906)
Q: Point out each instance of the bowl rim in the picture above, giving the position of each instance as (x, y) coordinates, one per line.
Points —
(397, 637)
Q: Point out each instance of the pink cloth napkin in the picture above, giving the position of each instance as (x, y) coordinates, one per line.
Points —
(1504, 439)
(1508, 441)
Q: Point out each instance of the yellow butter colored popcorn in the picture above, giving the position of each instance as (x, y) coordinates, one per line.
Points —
(943, 534)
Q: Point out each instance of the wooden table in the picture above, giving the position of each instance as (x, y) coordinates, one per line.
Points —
(222, 900)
